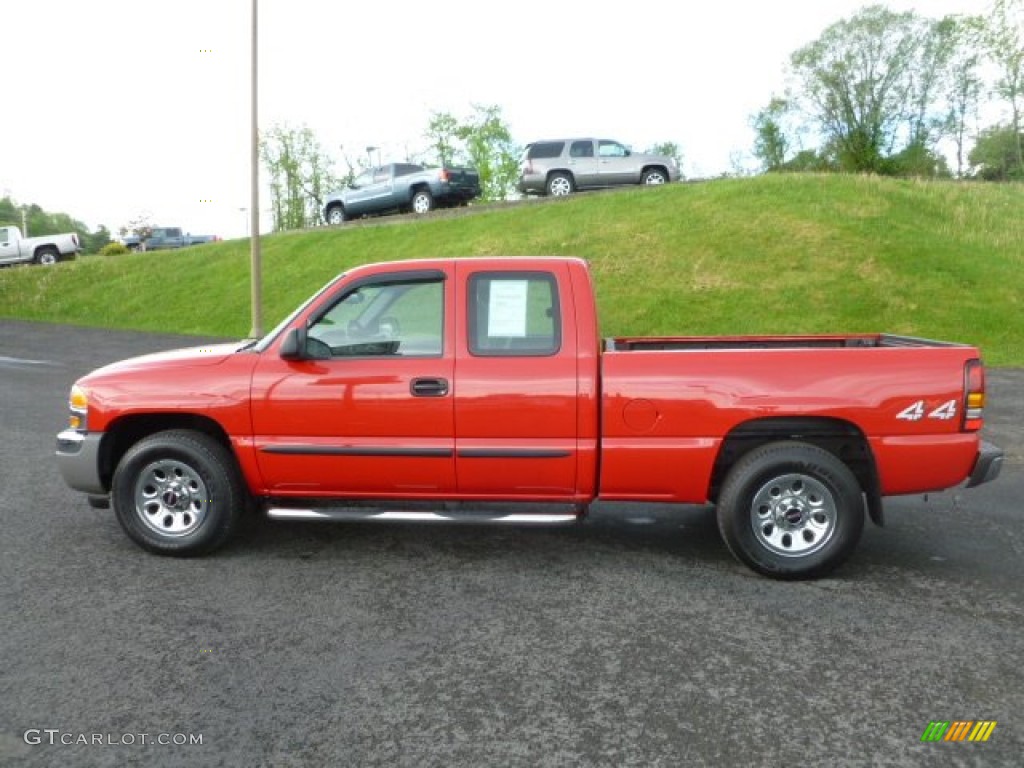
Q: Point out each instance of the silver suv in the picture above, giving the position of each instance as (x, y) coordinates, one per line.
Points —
(565, 165)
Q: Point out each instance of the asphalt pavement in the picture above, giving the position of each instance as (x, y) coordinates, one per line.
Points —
(633, 639)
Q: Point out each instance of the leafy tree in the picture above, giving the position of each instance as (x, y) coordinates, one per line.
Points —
(443, 132)
(300, 175)
(995, 154)
(490, 149)
(963, 83)
(97, 241)
(668, 149)
(1004, 42)
(141, 227)
(771, 144)
(858, 80)
(482, 140)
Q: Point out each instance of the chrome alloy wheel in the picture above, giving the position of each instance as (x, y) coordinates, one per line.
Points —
(793, 515)
(170, 497)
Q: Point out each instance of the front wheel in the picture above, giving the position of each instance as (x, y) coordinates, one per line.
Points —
(178, 492)
(791, 510)
(422, 202)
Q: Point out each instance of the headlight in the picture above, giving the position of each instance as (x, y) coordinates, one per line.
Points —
(78, 402)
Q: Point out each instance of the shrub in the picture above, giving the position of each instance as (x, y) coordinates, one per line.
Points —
(114, 249)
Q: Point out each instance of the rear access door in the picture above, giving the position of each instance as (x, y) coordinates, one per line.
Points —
(516, 381)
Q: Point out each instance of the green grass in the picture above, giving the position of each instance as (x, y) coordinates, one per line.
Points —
(773, 254)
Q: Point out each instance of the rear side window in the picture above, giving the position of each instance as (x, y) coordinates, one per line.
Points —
(545, 149)
(581, 149)
(514, 314)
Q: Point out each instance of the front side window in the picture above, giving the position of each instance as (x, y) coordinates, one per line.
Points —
(612, 149)
(514, 314)
(363, 179)
(405, 319)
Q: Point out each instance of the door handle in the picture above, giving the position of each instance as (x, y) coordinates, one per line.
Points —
(429, 387)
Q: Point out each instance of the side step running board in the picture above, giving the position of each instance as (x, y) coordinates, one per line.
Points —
(356, 514)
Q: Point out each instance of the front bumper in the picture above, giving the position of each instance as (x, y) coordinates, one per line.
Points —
(987, 466)
(78, 455)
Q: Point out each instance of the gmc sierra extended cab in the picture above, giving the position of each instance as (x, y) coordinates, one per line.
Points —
(401, 187)
(480, 390)
(45, 249)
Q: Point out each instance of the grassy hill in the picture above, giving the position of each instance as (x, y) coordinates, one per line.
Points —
(774, 254)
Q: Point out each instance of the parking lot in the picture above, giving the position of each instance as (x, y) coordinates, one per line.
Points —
(633, 639)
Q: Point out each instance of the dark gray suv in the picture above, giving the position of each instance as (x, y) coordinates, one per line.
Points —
(562, 166)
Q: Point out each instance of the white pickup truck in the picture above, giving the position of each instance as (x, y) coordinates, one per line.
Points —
(45, 249)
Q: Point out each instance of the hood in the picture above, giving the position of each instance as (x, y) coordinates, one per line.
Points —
(191, 357)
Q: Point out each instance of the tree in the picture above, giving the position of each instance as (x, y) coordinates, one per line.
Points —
(443, 132)
(300, 174)
(995, 154)
(858, 81)
(96, 241)
(771, 143)
(963, 84)
(1004, 43)
(482, 140)
(141, 227)
(668, 149)
(490, 149)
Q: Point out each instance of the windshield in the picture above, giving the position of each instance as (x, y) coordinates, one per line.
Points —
(266, 341)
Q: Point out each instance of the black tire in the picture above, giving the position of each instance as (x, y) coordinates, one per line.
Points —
(336, 215)
(178, 492)
(654, 176)
(47, 256)
(559, 185)
(422, 201)
(791, 510)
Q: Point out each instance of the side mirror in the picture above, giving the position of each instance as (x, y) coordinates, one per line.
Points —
(294, 345)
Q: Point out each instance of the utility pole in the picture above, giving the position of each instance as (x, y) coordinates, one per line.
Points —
(256, 278)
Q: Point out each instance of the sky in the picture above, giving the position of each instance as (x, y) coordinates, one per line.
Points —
(116, 109)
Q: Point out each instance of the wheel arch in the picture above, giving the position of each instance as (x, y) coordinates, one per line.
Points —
(128, 430)
(560, 172)
(841, 438)
(655, 167)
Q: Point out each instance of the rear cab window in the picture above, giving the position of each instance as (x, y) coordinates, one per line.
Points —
(513, 314)
(545, 149)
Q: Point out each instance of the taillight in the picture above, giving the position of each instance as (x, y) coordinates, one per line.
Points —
(974, 396)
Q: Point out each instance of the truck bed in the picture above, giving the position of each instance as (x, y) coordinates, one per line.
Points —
(856, 341)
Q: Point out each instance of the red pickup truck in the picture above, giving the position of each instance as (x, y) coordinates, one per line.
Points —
(480, 390)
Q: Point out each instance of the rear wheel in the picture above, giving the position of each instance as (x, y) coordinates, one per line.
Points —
(791, 510)
(178, 493)
(47, 256)
(654, 176)
(422, 201)
(560, 184)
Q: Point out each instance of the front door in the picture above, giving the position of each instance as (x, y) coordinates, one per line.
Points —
(372, 414)
(515, 400)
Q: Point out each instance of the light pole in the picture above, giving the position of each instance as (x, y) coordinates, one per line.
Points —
(256, 278)
(369, 154)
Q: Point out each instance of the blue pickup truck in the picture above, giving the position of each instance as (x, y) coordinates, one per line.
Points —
(163, 238)
(399, 187)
